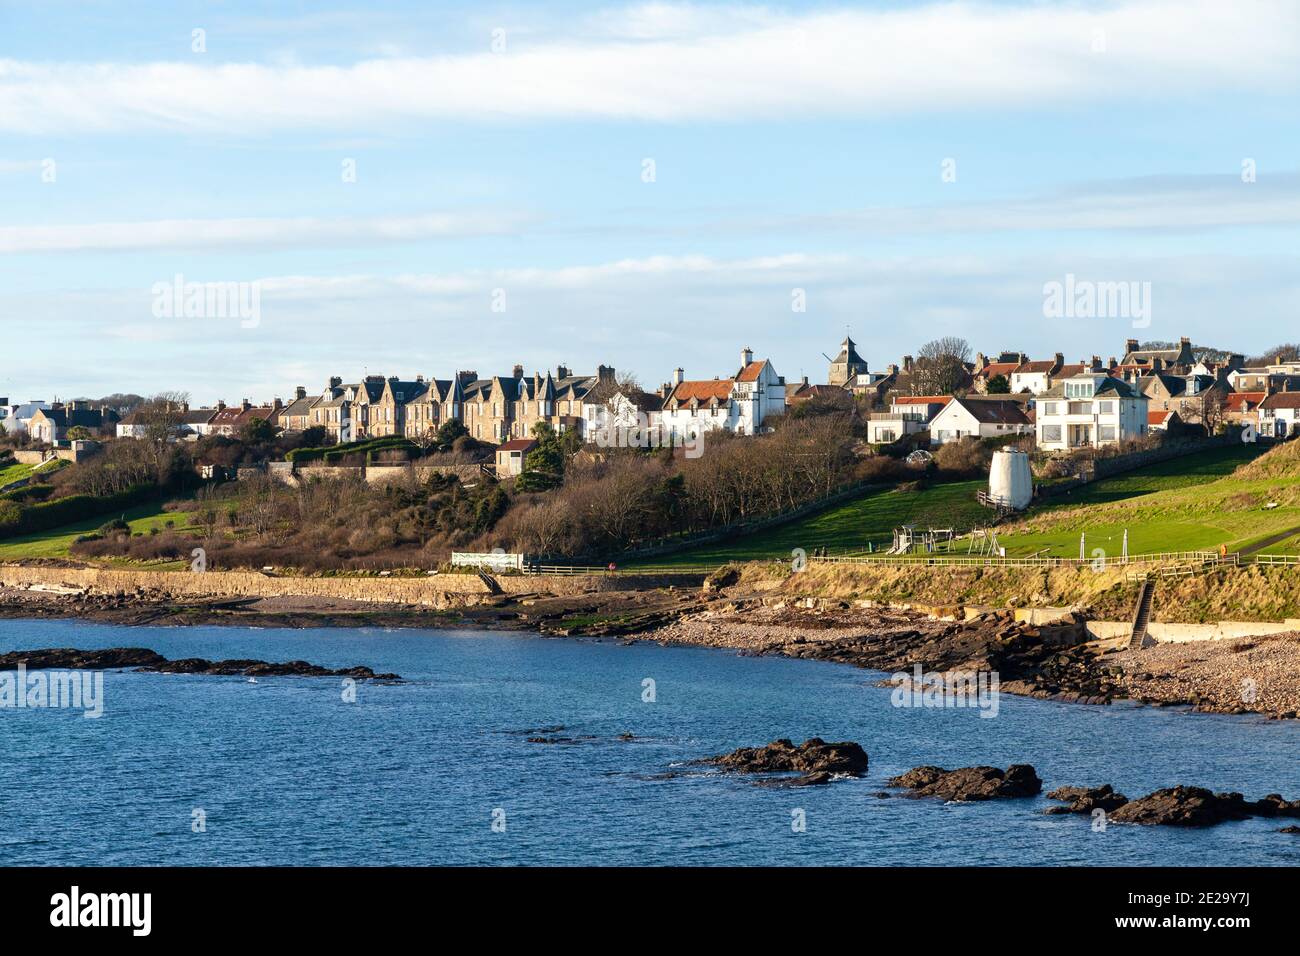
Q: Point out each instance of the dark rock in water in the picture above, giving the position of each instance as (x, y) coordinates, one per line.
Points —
(970, 783)
(146, 660)
(782, 756)
(1274, 805)
(252, 668)
(67, 658)
(1086, 799)
(1291, 829)
(1173, 806)
(1184, 807)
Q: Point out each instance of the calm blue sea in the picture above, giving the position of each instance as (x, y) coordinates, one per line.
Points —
(287, 772)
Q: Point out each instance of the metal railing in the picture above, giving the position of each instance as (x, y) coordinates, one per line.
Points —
(978, 560)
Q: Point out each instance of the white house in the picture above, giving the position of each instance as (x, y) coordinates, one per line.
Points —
(1279, 415)
(739, 404)
(907, 414)
(979, 418)
(16, 418)
(1035, 376)
(1092, 409)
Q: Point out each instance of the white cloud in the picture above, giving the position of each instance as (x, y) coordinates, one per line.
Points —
(240, 233)
(675, 63)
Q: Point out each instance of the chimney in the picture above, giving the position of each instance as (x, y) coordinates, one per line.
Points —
(1130, 345)
(300, 392)
(518, 372)
(907, 363)
(892, 369)
(1096, 362)
(245, 404)
(746, 356)
(1058, 359)
(678, 376)
(980, 361)
(804, 380)
(1157, 363)
(277, 404)
(561, 371)
(221, 405)
(605, 373)
(467, 376)
(335, 381)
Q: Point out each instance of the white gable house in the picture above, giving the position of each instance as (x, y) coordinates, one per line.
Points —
(1092, 409)
(739, 404)
(979, 418)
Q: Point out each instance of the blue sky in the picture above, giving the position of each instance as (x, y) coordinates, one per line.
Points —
(502, 147)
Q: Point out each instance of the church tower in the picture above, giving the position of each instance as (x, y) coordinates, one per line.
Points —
(847, 365)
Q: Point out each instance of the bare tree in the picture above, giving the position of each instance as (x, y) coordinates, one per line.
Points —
(940, 367)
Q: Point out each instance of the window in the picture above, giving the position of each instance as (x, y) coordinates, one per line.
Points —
(1080, 408)
(1049, 408)
(1106, 408)
(1051, 433)
(1106, 433)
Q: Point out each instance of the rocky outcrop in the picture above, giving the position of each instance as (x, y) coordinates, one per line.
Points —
(1173, 806)
(970, 783)
(1086, 799)
(68, 658)
(782, 756)
(1183, 807)
(253, 668)
(143, 659)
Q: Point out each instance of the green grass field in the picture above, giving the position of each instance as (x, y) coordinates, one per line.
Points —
(14, 471)
(1185, 504)
(55, 542)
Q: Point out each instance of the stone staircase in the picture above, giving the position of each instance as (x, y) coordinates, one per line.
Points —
(1142, 615)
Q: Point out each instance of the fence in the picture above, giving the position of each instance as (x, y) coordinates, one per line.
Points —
(976, 560)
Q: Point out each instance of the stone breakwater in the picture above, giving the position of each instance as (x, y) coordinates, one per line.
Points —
(143, 659)
(436, 591)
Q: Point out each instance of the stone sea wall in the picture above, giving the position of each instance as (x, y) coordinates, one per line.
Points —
(434, 591)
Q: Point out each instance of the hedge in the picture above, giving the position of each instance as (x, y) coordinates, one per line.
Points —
(331, 453)
(16, 519)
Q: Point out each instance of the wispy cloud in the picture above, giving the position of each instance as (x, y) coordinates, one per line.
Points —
(187, 234)
(674, 63)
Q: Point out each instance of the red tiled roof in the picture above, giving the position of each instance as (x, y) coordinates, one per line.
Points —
(1045, 365)
(751, 371)
(1157, 417)
(517, 444)
(1282, 400)
(997, 368)
(712, 388)
(1243, 401)
(923, 400)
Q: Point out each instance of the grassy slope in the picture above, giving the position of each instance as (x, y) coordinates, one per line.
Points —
(1166, 507)
(54, 543)
(850, 525)
(1199, 502)
(14, 471)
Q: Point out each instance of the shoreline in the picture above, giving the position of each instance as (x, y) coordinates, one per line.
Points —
(1058, 661)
